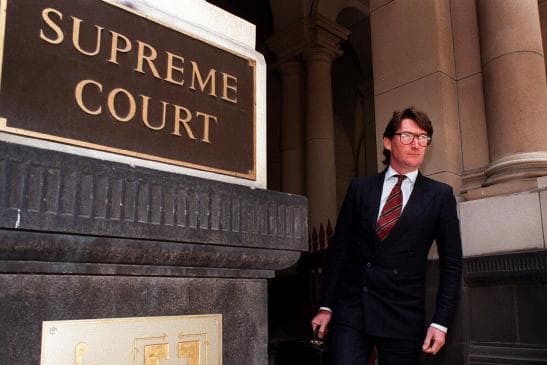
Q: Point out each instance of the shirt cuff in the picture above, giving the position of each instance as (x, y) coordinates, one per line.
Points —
(439, 327)
(325, 309)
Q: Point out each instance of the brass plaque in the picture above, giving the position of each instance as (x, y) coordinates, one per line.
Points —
(180, 340)
(100, 76)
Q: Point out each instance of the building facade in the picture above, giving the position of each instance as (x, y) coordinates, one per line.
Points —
(338, 69)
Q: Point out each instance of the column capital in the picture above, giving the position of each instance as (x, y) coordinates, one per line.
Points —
(325, 35)
(318, 53)
(308, 33)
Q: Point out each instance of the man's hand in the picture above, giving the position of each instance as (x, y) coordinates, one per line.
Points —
(321, 320)
(434, 340)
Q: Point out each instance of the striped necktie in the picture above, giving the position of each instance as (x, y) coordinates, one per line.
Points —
(391, 211)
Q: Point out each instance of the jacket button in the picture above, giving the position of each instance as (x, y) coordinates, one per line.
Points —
(395, 271)
(369, 265)
(365, 289)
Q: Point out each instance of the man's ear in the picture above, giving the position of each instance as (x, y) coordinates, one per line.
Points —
(387, 143)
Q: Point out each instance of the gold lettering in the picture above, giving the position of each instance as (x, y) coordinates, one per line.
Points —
(112, 105)
(54, 27)
(115, 47)
(76, 38)
(206, 119)
(171, 67)
(79, 351)
(149, 58)
(184, 121)
(189, 350)
(145, 120)
(78, 93)
(229, 82)
(211, 78)
(154, 353)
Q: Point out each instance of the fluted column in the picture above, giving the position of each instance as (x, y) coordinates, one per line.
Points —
(515, 89)
(293, 163)
(321, 170)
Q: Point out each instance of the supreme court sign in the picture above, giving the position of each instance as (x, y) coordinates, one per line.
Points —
(101, 76)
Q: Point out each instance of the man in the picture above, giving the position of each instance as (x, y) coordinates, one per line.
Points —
(374, 288)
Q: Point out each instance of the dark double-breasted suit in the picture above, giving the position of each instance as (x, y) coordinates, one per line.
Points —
(379, 286)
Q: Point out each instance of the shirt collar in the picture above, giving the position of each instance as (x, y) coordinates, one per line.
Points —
(410, 175)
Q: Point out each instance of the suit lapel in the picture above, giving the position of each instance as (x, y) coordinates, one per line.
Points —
(373, 200)
(413, 208)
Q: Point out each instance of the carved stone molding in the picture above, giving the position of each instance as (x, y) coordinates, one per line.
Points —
(486, 354)
(506, 269)
(314, 31)
(57, 207)
(472, 179)
(517, 166)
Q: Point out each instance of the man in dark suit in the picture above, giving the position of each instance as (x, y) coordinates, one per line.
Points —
(374, 287)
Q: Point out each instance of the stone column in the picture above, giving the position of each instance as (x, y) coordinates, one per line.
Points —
(515, 89)
(292, 129)
(323, 38)
(316, 40)
(321, 170)
(542, 5)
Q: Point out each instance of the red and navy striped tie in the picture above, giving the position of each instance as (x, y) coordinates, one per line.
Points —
(392, 210)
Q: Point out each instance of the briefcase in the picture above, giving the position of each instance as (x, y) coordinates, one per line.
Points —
(302, 352)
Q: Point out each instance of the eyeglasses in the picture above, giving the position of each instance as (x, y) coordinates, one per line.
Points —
(407, 138)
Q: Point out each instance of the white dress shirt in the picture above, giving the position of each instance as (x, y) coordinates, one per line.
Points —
(389, 182)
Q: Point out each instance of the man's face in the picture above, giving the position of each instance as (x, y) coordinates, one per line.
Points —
(406, 157)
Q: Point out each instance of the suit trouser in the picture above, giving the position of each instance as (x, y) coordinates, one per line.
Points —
(349, 346)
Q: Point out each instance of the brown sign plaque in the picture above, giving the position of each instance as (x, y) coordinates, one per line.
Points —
(94, 74)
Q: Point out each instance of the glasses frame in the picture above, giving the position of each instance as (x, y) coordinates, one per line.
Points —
(419, 136)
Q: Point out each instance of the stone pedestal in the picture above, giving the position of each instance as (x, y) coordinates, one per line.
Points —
(84, 238)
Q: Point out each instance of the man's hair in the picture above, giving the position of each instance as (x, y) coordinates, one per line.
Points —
(420, 118)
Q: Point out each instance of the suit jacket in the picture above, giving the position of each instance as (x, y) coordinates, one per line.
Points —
(379, 286)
